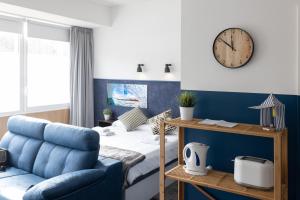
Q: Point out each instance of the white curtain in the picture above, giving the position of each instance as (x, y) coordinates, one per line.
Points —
(82, 69)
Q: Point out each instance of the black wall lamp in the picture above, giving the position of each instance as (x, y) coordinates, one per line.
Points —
(167, 68)
(139, 68)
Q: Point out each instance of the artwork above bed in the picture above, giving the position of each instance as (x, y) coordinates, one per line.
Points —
(160, 96)
(127, 95)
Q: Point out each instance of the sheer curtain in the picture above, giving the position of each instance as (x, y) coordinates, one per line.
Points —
(82, 69)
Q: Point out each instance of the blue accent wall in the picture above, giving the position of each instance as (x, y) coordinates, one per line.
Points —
(230, 106)
(233, 107)
(162, 95)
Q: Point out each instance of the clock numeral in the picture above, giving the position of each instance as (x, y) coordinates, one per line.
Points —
(231, 64)
(218, 56)
(241, 62)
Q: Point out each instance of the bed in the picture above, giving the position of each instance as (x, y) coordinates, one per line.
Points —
(142, 178)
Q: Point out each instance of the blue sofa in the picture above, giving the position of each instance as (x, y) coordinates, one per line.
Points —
(56, 161)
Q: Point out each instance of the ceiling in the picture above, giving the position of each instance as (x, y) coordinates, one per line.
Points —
(115, 2)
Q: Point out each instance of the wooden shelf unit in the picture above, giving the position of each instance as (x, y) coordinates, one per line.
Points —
(222, 180)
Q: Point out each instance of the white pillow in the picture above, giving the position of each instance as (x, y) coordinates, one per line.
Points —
(119, 124)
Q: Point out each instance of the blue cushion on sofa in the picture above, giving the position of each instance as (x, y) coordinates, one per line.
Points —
(23, 140)
(67, 185)
(27, 126)
(16, 186)
(66, 149)
(74, 137)
(12, 171)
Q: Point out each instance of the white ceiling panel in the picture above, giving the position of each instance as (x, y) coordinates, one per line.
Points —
(115, 2)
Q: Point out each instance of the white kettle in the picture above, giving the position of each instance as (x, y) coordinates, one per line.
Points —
(196, 162)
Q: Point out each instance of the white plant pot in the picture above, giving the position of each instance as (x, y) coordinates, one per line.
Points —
(107, 117)
(186, 113)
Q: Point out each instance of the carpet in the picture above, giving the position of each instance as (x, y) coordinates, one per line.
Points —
(171, 192)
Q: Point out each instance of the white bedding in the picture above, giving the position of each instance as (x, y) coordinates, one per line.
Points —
(143, 141)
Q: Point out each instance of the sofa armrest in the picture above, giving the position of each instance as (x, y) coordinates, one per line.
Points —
(64, 184)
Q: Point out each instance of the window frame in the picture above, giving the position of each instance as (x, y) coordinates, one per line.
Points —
(23, 101)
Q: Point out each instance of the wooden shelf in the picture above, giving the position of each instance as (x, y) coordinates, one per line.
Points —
(218, 180)
(222, 180)
(242, 129)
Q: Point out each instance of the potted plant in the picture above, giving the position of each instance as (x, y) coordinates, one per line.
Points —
(187, 102)
(107, 113)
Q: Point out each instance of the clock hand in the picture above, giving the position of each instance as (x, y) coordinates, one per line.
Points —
(231, 42)
(227, 44)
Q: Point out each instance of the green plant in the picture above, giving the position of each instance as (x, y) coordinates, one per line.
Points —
(187, 99)
(107, 111)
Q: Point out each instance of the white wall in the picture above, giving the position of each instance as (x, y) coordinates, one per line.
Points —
(71, 12)
(273, 25)
(147, 32)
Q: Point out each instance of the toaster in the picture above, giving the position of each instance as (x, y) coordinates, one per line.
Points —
(254, 172)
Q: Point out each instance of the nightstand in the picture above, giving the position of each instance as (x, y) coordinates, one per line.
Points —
(104, 123)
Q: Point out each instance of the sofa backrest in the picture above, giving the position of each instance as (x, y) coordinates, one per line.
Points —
(23, 140)
(65, 149)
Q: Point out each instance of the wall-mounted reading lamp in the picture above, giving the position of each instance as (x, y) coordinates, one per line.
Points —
(167, 68)
(139, 68)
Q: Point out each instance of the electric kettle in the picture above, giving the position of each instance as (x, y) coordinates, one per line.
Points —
(196, 162)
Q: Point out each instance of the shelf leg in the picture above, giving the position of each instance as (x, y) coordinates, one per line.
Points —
(180, 190)
(277, 167)
(162, 162)
(180, 161)
(285, 165)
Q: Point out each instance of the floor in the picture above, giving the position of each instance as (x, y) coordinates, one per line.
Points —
(171, 192)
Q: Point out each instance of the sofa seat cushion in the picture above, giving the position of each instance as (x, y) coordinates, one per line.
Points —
(12, 171)
(14, 187)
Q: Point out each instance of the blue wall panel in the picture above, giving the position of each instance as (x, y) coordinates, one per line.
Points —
(298, 153)
(233, 107)
(162, 95)
(228, 106)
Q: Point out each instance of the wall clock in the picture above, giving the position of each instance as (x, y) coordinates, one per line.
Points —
(233, 48)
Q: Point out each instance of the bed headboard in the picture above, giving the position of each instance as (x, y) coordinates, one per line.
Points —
(162, 95)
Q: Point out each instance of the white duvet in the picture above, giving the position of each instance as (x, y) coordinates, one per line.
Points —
(143, 141)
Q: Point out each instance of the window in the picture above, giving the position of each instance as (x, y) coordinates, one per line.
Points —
(48, 72)
(34, 66)
(9, 71)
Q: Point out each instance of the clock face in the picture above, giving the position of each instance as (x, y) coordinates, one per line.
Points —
(233, 48)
